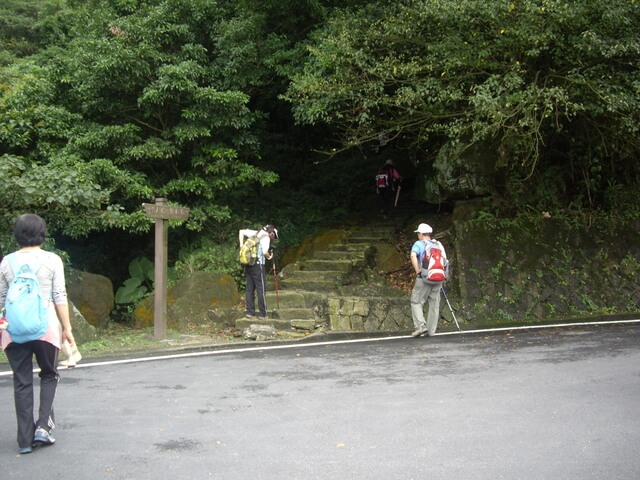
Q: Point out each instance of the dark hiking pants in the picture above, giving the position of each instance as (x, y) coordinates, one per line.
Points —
(20, 356)
(256, 287)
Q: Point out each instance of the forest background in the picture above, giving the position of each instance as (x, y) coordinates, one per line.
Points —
(251, 112)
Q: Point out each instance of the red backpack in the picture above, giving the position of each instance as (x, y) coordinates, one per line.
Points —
(434, 263)
(382, 178)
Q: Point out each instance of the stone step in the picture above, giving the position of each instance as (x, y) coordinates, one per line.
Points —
(366, 238)
(344, 266)
(302, 324)
(288, 298)
(383, 229)
(291, 313)
(310, 283)
(278, 324)
(340, 255)
(348, 247)
(369, 231)
(320, 275)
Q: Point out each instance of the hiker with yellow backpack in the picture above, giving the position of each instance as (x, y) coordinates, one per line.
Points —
(255, 249)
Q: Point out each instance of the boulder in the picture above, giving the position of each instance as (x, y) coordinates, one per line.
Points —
(93, 295)
(459, 171)
(388, 259)
(197, 299)
(82, 331)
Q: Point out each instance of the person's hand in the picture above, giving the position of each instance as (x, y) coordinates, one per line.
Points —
(68, 336)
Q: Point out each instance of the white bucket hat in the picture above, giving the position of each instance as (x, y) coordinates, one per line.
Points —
(423, 228)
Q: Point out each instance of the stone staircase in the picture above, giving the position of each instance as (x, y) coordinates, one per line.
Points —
(305, 287)
(331, 289)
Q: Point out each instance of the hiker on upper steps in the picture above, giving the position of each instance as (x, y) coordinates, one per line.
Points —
(387, 183)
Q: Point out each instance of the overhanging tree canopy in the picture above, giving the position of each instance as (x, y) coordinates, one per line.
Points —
(554, 85)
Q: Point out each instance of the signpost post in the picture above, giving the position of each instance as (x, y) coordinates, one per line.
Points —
(162, 212)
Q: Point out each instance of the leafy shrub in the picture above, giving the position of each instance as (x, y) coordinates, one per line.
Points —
(139, 284)
(210, 257)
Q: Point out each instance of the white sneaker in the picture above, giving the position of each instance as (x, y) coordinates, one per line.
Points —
(42, 437)
(419, 332)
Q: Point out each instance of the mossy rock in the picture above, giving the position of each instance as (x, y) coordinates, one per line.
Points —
(197, 299)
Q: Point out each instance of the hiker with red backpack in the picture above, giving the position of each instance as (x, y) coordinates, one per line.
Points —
(429, 262)
(387, 182)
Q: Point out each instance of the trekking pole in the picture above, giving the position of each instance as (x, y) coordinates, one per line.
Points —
(448, 303)
(397, 196)
(275, 281)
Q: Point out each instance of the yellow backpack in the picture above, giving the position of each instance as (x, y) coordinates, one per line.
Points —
(249, 251)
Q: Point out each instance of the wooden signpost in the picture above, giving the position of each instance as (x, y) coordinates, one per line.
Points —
(162, 212)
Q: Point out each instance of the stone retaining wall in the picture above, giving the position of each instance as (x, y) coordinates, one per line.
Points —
(362, 314)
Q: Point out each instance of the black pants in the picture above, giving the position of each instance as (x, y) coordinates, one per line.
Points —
(20, 356)
(255, 285)
(386, 199)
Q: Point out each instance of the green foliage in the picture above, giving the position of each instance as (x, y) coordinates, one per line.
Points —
(26, 26)
(210, 257)
(135, 105)
(553, 84)
(151, 73)
(74, 196)
(139, 284)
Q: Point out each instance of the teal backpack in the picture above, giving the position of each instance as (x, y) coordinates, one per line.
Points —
(26, 309)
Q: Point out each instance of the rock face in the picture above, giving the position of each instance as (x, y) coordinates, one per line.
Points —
(92, 295)
(459, 171)
(199, 298)
(544, 270)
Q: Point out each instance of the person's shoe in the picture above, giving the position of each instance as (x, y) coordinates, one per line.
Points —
(72, 354)
(248, 315)
(25, 450)
(262, 318)
(42, 437)
(419, 332)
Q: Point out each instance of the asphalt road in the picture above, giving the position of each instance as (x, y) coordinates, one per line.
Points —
(552, 403)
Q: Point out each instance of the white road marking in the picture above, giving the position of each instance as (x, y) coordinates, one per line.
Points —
(260, 348)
